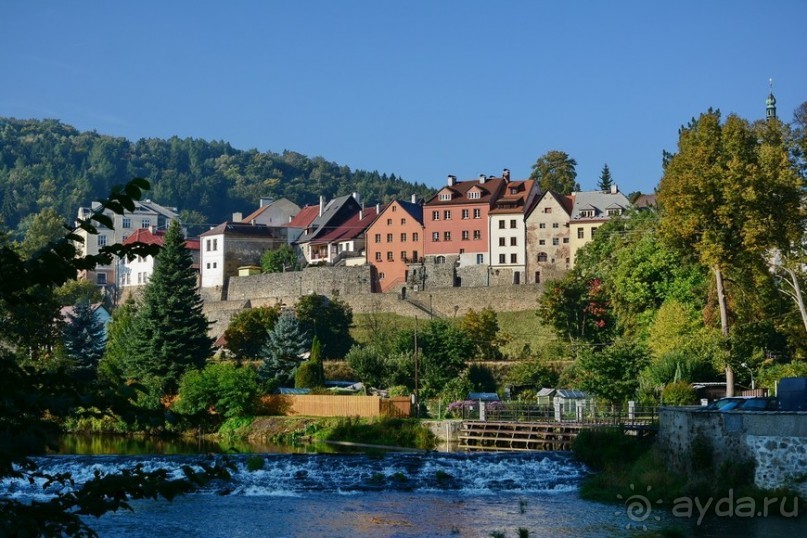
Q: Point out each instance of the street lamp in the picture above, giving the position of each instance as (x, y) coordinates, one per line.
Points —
(751, 372)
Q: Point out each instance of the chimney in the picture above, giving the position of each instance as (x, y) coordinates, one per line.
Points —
(614, 188)
(451, 180)
(356, 196)
(265, 201)
(361, 214)
(321, 205)
(482, 178)
(238, 217)
(414, 198)
(377, 209)
(506, 175)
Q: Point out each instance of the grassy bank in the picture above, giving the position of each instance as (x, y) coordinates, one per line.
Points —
(385, 431)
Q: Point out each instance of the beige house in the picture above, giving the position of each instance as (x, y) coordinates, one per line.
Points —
(548, 246)
(591, 210)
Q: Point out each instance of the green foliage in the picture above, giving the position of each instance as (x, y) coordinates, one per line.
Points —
(481, 378)
(536, 373)
(577, 307)
(612, 373)
(113, 367)
(483, 330)
(280, 260)
(329, 320)
(379, 368)
(679, 393)
(382, 431)
(770, 374)
(605, 182)
(78, 291)
(220, 388)
(248, 331)
(171, 330)
(311, 373)
(50, 164)
(287, 342)
(600, 448)
(84, 341)
(555, 171)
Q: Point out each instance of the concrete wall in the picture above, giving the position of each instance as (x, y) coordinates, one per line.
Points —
(775, 441)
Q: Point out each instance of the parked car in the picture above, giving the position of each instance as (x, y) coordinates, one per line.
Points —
(791, 394)
(743, 403)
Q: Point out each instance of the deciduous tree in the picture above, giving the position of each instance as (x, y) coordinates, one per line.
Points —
(279, 260)
(329, 320)
(555, 171)
(248, 331)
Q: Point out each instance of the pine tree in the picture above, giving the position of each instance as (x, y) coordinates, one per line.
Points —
(605, 182)
(287, 341)
(84, 340)
(171, 329)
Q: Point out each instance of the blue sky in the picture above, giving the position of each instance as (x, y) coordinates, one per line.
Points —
(417, 88)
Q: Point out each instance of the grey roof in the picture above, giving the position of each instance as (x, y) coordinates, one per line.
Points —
(546, 392)
(291, 391)
(572, 394)
(326, 221)
(484, 396)
(599, 201)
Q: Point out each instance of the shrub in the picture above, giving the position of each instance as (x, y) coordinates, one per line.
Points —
(679, 393)
(220, 388)
(308, 376)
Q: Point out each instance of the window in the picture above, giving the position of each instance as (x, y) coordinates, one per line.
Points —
(445, 196)
(208, 244)
(501, 241)
(542, 241)
(389, 256)
(440, 259)
(593, 229)
(381, 276)
(474, 195)
(389, 222)
(465, 235)
(554, 224)
(214, 265)
(435, 215)
(565, 240)
(513, 258)
(542, 257)
(547, 210)
(389, 238)
(614, 212)
(512, 223)
(447, 214)
(102, 240)
(415, 237)
(513, 241)
(100, 278)
(403, 255)
(587, 213)
(127, 222)
(446, 236)
(465, 214)
(477, 213)
(501, 225)
(537, 277)
(542, 226)
(145, 223)
(567, 263)
(462, 251)
(477, 234)
(555, 241)
(378, 256)
(435, 236)
(140, 276)
(394, 208)
(580, 233)
(501, 258)
(377, 238)
(403, 238)
(480, 259)
(403, 222)
(414, 255)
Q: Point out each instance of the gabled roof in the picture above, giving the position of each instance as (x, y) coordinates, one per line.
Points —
(513, 202)
(566, 202)
(246, 230)
(304, 218)
(157, 237)
(600, 202)
(336, 212)
(489, 191)
(258, 212)
(350, 229)
(414, 210)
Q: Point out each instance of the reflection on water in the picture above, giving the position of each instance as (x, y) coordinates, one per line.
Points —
(106, 444)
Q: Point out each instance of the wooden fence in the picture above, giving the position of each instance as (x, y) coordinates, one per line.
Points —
(334, 406)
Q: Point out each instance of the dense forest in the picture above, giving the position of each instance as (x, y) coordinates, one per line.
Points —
(50, 164)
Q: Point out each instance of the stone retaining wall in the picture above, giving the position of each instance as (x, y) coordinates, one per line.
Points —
(775, 441)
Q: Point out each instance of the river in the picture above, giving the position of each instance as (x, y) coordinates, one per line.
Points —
(380, 495)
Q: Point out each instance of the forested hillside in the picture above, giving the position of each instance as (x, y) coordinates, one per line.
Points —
(50, 164)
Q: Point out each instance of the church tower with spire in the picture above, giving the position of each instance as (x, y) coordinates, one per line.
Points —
(770, 103)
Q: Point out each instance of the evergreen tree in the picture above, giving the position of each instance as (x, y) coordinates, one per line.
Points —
(84, 340)
(311, 373)
(120, 344)
(171, 330)
(287, 341)
(605, 182)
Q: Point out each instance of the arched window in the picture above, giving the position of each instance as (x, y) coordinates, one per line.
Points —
(542, 257)
(440, 259)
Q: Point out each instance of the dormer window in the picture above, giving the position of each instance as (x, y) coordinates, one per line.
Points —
(614, 211)
(474, 195)
(513, 190)
(445, 197)
(586, 213)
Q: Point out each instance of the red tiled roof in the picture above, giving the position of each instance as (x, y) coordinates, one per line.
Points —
(147, 237)
(351, 228)
(304, 218)
(513, 203)
(489, 190)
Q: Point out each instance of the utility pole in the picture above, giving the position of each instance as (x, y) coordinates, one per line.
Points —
(417, 398)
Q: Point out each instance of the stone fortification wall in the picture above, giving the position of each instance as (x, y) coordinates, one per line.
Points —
(775, 441)
(286, 287)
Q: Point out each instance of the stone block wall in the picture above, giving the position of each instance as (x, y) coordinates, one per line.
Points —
(775, 441)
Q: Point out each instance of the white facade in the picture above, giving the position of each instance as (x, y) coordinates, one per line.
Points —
(211, 260)
(507, 241)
